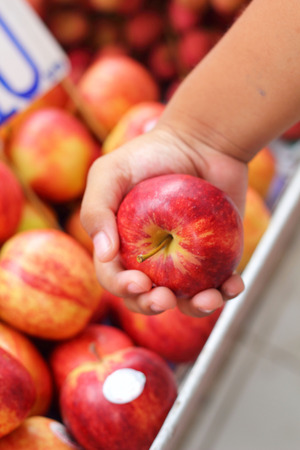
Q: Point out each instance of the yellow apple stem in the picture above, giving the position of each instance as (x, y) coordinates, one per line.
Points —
(164, 243)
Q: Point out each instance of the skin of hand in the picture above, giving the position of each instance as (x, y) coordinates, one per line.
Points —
(157, 152)
(242, 95)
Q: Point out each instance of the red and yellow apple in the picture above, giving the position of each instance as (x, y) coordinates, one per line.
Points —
(11, 202)
(48, 284)
(95, 342)
(173, 335)
(36, 217)
(53, 151)
(256, 220)
(262, 170)
(112, 85)
(23, 349)
(17, 393)
(181, 231)
(74, 228)
(137, 120)
(120, 402)
(39, 433)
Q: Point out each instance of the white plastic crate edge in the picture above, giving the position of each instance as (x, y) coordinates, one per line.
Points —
(259, 268)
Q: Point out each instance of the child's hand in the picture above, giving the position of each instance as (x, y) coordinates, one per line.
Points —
(112, 176)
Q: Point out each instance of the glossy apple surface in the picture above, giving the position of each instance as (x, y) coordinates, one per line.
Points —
(173, 335)
(95, 342)
(120, 402)
(197, 226)
(23, 349)
(39, 433)
(137, 120)
(112, 85)
(53, 151)
(48, 284)
(17, 393)
(11, 202)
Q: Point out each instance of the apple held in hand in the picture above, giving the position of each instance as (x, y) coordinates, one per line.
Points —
(181, 231)
(48, 284)
(17, 393)
(120, 402)
(39, 433)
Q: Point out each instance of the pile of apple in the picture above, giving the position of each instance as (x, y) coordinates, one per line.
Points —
(77, 368)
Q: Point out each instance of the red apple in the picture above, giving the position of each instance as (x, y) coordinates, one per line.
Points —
(120, 402)
(39, 433)
(74, 228)
(112, 85)
(180, 230)
(162, 61)
(56, 97)
(70, 26)
(181, 17)
(292, 133)
(53, 151)
(19, 346)
(144, 29)
(173, 335)
(11, 202)
(33, 217)
(48, 284)
(193, 46)
(17, 393)
(95, 342)
(79, 58)
(137, 120)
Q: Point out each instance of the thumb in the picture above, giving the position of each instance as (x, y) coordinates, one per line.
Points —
(100, 203)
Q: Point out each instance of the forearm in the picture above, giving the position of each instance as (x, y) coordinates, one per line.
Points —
(246, 91)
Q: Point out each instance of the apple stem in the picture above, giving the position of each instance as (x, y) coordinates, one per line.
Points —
(166, 241)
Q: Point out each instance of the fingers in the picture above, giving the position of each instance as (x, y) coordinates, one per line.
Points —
(102, 197)
(155, 301)
(206, 302)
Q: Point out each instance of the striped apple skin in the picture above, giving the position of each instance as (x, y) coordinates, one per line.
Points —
(206, 230)
(48, 284)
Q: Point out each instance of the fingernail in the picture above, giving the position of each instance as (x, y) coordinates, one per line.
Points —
(206, 311)
(102, 245)
(134, 288)
(156, 308)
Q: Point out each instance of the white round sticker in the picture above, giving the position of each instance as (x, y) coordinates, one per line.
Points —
(124, 386)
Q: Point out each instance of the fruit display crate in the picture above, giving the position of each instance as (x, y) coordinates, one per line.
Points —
(194, 379)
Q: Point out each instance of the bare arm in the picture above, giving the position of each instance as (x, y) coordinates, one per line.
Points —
(241, 96)
(246, 91)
